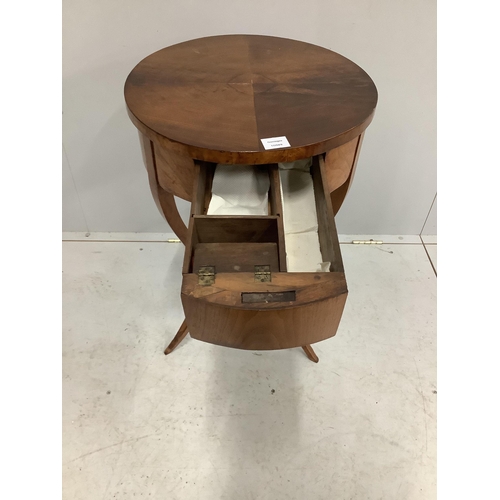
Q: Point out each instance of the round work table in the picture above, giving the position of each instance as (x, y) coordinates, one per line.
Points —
(247, 100)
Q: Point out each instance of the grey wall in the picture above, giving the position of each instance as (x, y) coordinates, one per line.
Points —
(430, 226)
(105, 186)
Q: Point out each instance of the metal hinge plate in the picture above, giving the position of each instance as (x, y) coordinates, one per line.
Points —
(262, 274)
(206, 275)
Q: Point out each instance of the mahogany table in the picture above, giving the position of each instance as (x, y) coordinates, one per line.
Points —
(211, 101)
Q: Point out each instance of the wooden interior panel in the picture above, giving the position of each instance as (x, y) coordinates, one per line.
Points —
(327, 231)
(235, 257)
(198, 201)
(210, 171)
(276, 208)
(236, 229)
(196, 208)
(192, 241)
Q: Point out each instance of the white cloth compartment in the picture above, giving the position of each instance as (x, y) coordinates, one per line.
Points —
(239, 190)
(300, 220)
(243, 190)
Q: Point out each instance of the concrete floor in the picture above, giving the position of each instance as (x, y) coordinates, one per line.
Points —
(212, 423)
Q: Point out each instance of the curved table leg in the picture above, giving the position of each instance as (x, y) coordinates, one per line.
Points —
(179, 337)
(164, 200)
(310, 353)
(183, 331)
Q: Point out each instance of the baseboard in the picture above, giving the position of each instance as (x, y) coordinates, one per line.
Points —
(167, 237)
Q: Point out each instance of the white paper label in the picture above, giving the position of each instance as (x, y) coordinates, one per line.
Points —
(275, 143)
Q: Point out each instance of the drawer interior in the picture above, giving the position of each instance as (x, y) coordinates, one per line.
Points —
(234, 243)
(261, 215)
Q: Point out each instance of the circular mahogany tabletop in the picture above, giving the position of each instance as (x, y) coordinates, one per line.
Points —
(215, 98)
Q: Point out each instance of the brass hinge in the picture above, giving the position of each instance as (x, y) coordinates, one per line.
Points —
(206, 275)
(262, 274)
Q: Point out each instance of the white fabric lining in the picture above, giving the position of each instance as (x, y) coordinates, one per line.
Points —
(243, 190)
(300, 220)
(239, 190)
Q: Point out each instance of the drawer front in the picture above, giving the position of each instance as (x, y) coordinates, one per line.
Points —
(263, 329)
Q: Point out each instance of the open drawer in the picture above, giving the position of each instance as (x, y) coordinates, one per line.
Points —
(236, 289)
